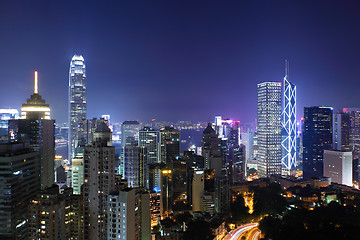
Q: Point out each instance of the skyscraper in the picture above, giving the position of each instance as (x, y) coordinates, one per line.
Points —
(36, 127)
(288, 143)
(99, 174)
(5, 116)
(19, 182)
(149, 139)
(77, 103)
(129, 137)
(317, 137)
(341, 131)
(211, 150)
(269, 128)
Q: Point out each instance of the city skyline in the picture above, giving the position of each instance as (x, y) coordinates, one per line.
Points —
(146, 59)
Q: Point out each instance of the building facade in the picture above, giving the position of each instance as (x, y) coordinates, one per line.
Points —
(269, 128)
(99, 181)
(19, 183)
(77, 103)
(288, 118)
(317, 137)
(129, 215)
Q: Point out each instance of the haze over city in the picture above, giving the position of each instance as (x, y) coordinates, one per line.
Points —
(179, 60)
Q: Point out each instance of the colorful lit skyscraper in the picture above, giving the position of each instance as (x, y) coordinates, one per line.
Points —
(269, 128)
(77, 102)
(288, 143)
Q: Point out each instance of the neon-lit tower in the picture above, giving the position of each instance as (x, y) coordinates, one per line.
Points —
(77, 103)
(288, 121)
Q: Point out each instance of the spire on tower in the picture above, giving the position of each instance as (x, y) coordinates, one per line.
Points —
(286, 68)
(36, 83)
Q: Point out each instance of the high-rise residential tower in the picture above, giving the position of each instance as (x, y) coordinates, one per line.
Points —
(288, 143)
(269, 128)
(77, 103)
(317, 137)
(99, 181)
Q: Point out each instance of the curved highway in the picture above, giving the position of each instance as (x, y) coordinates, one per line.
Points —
(236, 233)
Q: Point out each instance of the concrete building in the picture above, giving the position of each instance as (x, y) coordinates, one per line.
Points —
(129, 215)
(198, 186)
(77, 174)
(269, 128)
(19, 182)
(99, 174)
(338, 166)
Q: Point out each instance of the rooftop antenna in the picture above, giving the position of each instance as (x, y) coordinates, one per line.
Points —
(36, 83)
(286, 69)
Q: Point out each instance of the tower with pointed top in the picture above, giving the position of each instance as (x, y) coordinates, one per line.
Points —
(288, 122)
(77, 104)
(36, 128)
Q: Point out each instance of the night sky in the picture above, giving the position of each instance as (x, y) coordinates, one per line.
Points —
(180, 60)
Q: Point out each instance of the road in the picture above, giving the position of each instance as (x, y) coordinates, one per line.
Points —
(236, 233)
(253, 234)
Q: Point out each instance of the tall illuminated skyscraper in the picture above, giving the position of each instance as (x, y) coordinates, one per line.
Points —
(36, 127)
(77, 103)
(288, 118)
(269, 128)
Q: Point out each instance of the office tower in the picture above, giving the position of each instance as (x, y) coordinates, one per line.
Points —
(338, 166)
(317, 137)
(288, 143)
(169, 145)
(129, 133)
(355, 140)
(341, 131)
(129, 136)
(149, 139)
(238, 171)
(269, 128)
(134, 158)
(166, 190)
(247, 139)
(197, 191)
(19, 182)
(77, 174)
(77, 103)
(129, 215)
(179, 193)
(211, 150)
(5, 116)
(99, 174)
(36, 127)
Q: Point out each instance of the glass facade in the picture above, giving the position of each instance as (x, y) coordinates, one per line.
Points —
(269, 128)
(288, 143)
(77, 103)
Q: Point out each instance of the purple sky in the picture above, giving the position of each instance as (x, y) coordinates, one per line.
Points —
(180, 60)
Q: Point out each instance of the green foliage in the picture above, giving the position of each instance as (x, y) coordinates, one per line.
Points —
(240, 213)
(198, 230)
(328, 222)
(268, 200)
